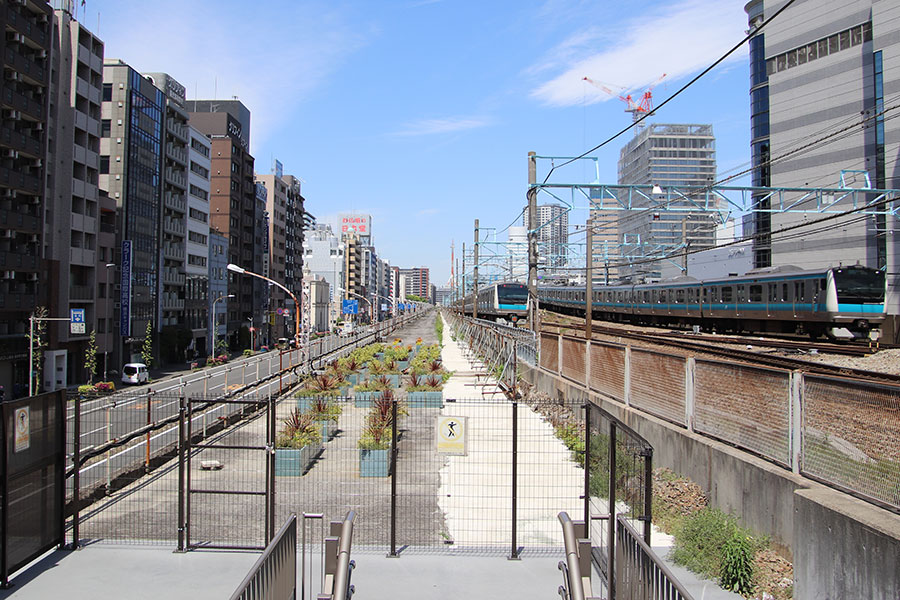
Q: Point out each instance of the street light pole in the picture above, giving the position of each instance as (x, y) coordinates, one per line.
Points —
(243, 271)
(215, 324)
(106, 327)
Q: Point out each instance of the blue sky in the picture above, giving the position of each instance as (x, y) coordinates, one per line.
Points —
(422, 112)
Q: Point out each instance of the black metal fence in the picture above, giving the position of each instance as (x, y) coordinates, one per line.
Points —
(33, 459)
(274, 575)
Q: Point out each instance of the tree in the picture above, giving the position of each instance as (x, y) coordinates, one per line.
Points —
(147, 348)
(90, 357)
(37, 345)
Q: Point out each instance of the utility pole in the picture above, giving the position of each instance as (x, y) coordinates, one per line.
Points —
(532, 242)
(685, 246)
(589, 282)
(463, 275)
(475, 282)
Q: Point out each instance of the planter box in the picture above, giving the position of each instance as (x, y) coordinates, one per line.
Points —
(293, 462)
(425, 399)
(327, 428)
(365, 399)
(379, 356)
(394, 377)
(374, 463)
(403, 364)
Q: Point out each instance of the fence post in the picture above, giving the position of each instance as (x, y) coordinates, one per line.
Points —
(181, 411)
(587, 364)
(187, 474)
(514, 552)
(690, 369)
(795, 420)
(648, 491)
(393, 478)
(559, 354)
(611, 535)
(76, 475)
(627, 376)
(270, 467)
(149, 422)
(587, 468)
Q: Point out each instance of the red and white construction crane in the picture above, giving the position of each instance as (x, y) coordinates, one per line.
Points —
(637, 108)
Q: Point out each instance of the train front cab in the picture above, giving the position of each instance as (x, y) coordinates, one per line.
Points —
(855, 302)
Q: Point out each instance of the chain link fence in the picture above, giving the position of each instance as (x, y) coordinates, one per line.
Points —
(851, 437)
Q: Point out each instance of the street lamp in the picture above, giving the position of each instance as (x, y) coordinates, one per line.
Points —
(215, 324)
(106, 326)
(243, 271)
(251, 331)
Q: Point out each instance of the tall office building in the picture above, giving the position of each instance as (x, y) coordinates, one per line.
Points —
(842, 54)
(232, 198)
(826, 70)
(23, 145)
(297, 220)
(673, 156)
(131, 172)
(276, 205)
(552, 235)
(76, 259)
(197, 267)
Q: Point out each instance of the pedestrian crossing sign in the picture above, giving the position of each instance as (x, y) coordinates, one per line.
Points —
(450, 434)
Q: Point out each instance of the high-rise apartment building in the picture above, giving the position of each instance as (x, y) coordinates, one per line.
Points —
(78, 278)
(673, 156)
(132, 173)
(23, 97)
(276, 205)
(197, 265)
(173, 208)
(552, 234)
(417, 282)
(232, 198)
(353, 271)
(218, 290)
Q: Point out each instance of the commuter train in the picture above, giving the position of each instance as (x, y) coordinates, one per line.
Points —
(841, 302)
(507, 301)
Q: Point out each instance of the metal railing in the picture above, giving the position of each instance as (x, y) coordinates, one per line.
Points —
(274, 575)
(640, 573)
(576, 568)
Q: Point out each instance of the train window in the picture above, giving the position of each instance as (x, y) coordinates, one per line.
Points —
(823, 284)
(740, 293)
(727, 294)
(773, 292)
(679, 296)
(755, 293)
(799, 296)
(784, 292)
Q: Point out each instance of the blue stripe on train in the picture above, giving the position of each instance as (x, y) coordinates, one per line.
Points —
(512, 307)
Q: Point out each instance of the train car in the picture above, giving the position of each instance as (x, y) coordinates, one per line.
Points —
(841, 302)
(507, 301)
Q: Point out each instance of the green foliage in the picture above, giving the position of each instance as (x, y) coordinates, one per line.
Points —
(737, 564)
(86, 389)
(701, 539)
(363, 355)
(298, 430)
(414, 298)
(90, 357)
(248, 352)
(323, 409)
(375, 437)
(439, 329)
(147, 348)
(38, 343)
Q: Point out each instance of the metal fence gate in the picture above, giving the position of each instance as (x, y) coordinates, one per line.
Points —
(239, 467)
(33, 493)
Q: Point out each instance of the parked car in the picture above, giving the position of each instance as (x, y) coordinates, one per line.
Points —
(135, 373)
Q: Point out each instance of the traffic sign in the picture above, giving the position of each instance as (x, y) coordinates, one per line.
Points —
(76, 321)
(350, 307)
(450, 434)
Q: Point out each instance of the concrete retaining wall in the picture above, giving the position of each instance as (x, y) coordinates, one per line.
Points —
(770, 500)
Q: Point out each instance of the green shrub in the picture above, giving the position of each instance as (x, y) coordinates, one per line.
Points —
(248, 352)
(736, 573)
(701, 539)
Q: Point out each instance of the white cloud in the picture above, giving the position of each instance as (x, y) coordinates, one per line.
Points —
(435, 126)
(679, 41)
(234, 49)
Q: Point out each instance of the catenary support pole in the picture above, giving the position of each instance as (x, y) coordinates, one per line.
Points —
(532, 243)
(475, 275)
(589, 282)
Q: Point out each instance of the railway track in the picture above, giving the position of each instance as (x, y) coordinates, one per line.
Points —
(712, 345)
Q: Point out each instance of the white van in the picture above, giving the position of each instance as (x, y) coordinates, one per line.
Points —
(135, 373)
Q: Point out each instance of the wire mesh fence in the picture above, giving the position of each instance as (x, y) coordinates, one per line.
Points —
(753, 416)
(851, 437)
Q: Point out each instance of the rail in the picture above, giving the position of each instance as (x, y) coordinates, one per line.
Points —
(573, 587)
(640, 573)
(274, 574)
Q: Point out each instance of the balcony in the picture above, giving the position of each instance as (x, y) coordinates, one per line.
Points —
(83, 257)
(178, 130)
(21, 142)
(174, 226)
(176, 153)
(172, 302)
(176, 177)
(173, 277)
(81, 292)
(176, 202)
(25, 65)
(83, 223)
(173, 251)
(19, 181)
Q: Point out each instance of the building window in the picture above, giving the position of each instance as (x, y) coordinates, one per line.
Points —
(197, 238)
(198, 261)
(200, 170)
(107, 92)
(199, 192)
